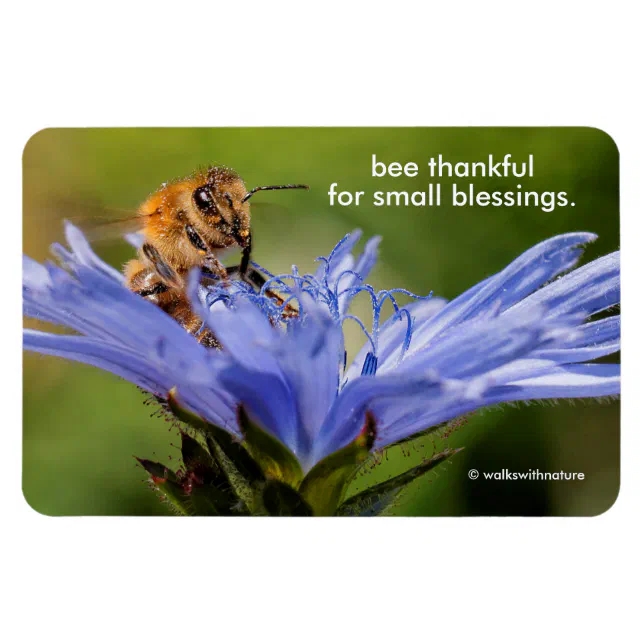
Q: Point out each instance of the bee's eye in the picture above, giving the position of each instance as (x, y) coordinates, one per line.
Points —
(203, 199)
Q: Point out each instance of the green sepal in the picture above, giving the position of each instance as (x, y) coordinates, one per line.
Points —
(206, 483)
(226, 442)
(223, 444)
(215, 500)
(175, 495)
(325, 485)
(200, 490)
(276, 460)
(194, 455)
(281, 500)
(380, 498)
(241, 471)
(165, 481)
(157, 471)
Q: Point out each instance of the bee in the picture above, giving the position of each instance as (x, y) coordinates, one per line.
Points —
(190, 223)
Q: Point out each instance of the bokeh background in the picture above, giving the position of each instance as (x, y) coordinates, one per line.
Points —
(82, 426)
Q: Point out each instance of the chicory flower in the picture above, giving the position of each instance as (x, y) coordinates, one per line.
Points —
(528, 332)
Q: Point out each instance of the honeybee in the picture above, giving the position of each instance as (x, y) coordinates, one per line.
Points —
(189, 223)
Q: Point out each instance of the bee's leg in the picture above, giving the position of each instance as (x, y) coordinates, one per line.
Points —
(251, 276)
(182, 312)
(212, 266)
(166, 273)
(245, 259)
(210, 263)
(144, 281)
(257, 280)
(208, 339)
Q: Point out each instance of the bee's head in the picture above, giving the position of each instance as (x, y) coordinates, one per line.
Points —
(222, 201)
(218, 200)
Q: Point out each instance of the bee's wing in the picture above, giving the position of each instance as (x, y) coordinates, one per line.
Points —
(98, 222)
(108, 228)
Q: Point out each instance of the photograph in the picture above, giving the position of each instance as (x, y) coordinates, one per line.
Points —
(321, 321)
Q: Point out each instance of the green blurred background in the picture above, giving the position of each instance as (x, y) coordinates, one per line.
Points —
(82, 426)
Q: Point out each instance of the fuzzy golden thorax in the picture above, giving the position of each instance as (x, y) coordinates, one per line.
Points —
(201, 214)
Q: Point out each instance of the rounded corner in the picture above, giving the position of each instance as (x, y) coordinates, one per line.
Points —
(606, 135)
(34, 506)
(610, 505)
(37, 134)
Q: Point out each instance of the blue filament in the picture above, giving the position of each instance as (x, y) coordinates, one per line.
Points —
(290, 287)
(370, 365)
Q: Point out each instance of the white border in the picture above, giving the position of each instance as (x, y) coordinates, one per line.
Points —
(493, 63)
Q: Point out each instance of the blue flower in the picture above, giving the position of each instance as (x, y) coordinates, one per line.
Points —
(525, 333)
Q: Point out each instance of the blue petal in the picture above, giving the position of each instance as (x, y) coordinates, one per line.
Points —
(592, 340)
(310, 362)
(479, 346)
(587, 342)
(85, 255)
(567, 381)
(590, 289)
(95, 304)
(246, 334)
(202, 394)
(417, 413)
(363, 266)
(34, 275)
(294, 374)
(268, 399)
(346, 417)
(525, 274)
(339, 260)
(110, 358)
(135, 239)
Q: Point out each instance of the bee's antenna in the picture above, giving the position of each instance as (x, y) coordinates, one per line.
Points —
(290, 186)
